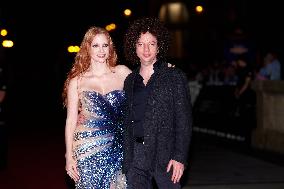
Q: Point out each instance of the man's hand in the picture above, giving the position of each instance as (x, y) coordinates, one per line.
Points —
(178, 169)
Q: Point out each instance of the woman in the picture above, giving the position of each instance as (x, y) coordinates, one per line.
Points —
(94, 97)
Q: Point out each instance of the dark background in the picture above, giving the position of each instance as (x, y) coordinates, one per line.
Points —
(37, 64)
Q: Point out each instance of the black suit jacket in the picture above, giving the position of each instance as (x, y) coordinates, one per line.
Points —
(167, 122)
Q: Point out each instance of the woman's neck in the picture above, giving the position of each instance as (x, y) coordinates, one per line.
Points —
(99, 69)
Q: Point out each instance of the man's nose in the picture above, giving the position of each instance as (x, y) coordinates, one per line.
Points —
(146, 47)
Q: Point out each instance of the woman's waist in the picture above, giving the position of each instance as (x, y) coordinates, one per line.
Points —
(85, 131)
(88, 142)
(93, 121)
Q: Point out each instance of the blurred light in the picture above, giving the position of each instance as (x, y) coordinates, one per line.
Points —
(73, 49)
(174, 13)
(110, 27)
(77, 48)
(127, 12)
(3, 32)
(7, 43)
(199, 9)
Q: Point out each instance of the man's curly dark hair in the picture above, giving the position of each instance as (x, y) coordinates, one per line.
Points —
(140, 26)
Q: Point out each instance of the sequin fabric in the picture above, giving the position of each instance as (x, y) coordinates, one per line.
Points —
(98, 140)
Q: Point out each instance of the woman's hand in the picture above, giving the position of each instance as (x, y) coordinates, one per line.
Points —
(71, 168)
(171, 65)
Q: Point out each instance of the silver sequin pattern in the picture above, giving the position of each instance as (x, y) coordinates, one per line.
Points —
(98, 140)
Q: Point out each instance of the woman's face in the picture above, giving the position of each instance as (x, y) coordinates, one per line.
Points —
(147, 48)
(99, 50)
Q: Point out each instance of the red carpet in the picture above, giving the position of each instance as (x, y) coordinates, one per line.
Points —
(35, 161)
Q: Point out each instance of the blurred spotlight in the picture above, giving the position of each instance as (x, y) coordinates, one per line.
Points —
(199, 9)
(176, 16)
(7, 43)
(3, 32)
(73, 49)
(174, 13)
(127, 12)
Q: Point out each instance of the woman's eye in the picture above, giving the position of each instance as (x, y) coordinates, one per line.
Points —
(95, 45)
(105, 45)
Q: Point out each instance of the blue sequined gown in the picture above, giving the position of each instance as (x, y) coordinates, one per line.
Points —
(98, 140)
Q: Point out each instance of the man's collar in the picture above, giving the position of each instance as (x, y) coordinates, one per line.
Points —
(156, 66)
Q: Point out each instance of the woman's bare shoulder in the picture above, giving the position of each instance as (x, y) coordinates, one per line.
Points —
(122, 69)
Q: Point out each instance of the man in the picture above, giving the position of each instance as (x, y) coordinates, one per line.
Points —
(158, 120)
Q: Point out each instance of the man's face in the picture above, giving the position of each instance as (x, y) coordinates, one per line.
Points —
(147, 48)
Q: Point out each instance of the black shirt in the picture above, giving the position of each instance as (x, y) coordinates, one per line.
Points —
(140, 96)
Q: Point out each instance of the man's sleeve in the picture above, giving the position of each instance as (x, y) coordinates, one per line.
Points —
(183, 117)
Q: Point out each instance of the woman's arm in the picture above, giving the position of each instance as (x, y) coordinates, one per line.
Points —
(71, 121)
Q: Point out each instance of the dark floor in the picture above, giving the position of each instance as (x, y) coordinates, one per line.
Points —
(225, 163)
(36, 160)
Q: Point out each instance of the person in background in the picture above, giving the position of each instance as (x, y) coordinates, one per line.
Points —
(272, 67)
(158, 121)
(245, 76)
(95, 100)
(245, 97)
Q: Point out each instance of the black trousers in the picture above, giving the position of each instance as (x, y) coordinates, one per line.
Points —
(139, 176)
